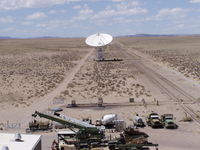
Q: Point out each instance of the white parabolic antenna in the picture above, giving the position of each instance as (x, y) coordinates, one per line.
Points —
(98, 39)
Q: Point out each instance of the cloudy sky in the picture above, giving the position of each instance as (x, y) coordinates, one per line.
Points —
(77, 18)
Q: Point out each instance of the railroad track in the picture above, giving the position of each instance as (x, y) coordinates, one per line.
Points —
(175, 93)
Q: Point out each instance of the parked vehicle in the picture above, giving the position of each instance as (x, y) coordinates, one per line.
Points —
(154, 120)
(168, 121)
(138, 122)
(36, 125)
(107, 120)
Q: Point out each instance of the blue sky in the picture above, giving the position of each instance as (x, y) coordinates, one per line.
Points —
(80, 18)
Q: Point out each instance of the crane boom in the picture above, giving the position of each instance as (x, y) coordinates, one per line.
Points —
(65, 120)
(89, 136)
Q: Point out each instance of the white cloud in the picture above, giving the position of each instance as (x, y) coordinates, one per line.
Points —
(194, 1)
(121, 9)
(77, 7)
(118, 0)
(171, 12)
(56, 11)
(180, 25)
(122, 20)
(7, 19)
(126, 5)
(27, 23)
(37, 15)
(9, 29)
(113, 12)
(53, 24)
(16, 4)
(41, 25)
(84, 13)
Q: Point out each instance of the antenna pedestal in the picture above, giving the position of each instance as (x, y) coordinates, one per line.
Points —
(100, 53)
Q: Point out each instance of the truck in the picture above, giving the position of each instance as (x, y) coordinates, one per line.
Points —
(36, 125)
(138, 122)
(107, 120)
(154, 120)
(168, 121)
(87, 136)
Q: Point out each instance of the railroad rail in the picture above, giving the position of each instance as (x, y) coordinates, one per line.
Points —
(168, 87)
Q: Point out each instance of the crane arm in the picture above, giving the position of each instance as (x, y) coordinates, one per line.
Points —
(58, 119)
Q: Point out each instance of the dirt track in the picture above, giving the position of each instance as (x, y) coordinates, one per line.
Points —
(46, 101)
(174, 92)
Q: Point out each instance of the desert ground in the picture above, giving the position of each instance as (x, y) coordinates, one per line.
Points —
(162, 74)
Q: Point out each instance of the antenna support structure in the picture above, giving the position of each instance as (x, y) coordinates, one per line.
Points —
(99, 41)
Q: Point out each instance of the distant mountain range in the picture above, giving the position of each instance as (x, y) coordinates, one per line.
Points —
(158, 35)
(135, 35)
(43, 37)
(150, 35)
(5, 37)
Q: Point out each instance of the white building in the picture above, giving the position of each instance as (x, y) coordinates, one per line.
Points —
(20, 141)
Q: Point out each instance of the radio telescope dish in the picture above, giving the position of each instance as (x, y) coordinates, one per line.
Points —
(98, 39)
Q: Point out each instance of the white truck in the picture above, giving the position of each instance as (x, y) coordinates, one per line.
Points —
(108, 120)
